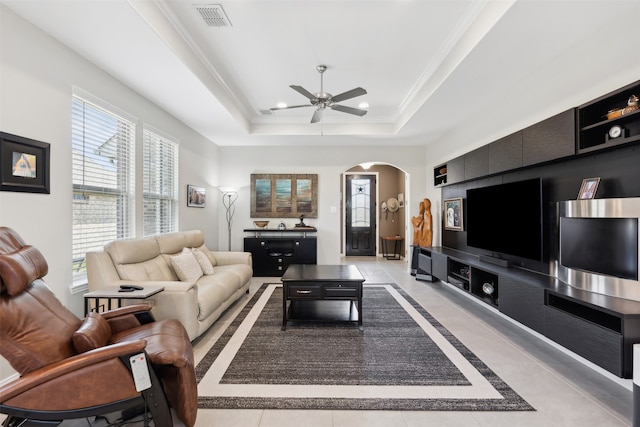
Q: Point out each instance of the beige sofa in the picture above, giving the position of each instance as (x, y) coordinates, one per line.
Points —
(194, 298)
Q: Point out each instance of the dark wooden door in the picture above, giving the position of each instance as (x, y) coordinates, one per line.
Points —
(360, 218)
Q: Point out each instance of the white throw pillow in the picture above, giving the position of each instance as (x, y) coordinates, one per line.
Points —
(186, 266)
(203, 260)
(205, 250)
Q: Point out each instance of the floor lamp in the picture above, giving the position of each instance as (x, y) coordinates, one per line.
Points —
(228, 199)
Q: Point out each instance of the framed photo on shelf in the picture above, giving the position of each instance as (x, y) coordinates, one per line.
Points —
(588, 188)
(453, 219)
(24, 164)
(196, 196)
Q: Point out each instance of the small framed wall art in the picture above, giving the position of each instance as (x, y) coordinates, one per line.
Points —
(24, 164)
(196, 196)
(453, 214)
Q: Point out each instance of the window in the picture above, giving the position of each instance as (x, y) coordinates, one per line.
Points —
(160, 185)
(360, 202)
(103, 179)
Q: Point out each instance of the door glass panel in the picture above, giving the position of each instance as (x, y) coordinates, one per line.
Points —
(360, 203)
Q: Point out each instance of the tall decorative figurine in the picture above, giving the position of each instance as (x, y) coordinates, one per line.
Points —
(423, 225)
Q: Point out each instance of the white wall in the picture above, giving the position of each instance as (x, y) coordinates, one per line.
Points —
(36, 79)
(239, 163)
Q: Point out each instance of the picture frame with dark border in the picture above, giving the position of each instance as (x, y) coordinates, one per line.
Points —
(284, 195)
(453, 214)
(196, 196)
(588, 188)
(24, 164)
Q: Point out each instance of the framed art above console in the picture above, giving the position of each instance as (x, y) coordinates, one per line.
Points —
(284, 195)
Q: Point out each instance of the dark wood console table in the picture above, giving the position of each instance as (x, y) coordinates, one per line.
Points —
(274, 250)
(317, 284)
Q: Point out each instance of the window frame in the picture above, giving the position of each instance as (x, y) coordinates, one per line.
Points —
(96, 176)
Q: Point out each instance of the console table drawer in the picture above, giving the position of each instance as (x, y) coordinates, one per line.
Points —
(304, 291)
(340, 291)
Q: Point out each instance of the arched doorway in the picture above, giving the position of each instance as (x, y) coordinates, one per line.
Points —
(383, 215)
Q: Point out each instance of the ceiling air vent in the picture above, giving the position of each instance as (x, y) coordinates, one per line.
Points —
(266, 112)
(213, 15)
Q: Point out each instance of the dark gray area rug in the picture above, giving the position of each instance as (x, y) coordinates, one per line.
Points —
(391, 351)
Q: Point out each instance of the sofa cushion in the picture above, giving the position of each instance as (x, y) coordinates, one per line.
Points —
(208, 253)
(155, 269)
(172, 243)
(210, 296)
(132, 251)
(194, 238)
(214, 290)
(186, 266)
(243, 271)
(139, 260)
(203, 260)
(94, 332)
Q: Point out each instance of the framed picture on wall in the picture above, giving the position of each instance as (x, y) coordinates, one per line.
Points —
(588, 188)
(196, 196)
(24, 164)
(453, 214)
(284, 195)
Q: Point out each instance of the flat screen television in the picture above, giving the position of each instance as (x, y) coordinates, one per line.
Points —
(506, 219)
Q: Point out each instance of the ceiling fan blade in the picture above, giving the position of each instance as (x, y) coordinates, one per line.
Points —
(349, 94)
(317, 116)
(303, 91)
(292, 106)
(350, 110)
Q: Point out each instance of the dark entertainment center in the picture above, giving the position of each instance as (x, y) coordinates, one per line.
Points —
(519, 206)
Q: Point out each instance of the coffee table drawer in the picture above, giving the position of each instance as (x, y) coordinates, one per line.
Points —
(341, 291)
(304, 291)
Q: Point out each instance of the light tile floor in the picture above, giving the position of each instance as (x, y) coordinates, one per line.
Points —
(564, 391)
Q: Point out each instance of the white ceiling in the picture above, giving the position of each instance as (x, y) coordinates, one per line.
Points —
(429, 67)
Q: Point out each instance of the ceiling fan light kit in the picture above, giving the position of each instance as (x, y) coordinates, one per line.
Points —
(322, 100)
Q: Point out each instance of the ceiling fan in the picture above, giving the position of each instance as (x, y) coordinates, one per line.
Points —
(323, 99)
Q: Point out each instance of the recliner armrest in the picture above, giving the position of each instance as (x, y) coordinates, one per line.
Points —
(123, 311)
(131, 316)
(72, 366)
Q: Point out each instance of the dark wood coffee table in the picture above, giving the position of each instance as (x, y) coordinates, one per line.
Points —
(309, 288)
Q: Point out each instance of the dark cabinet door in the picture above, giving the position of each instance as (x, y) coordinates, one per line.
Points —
(439, 265)
(272, 255)
(476, 163)
(522, 302)
(549, 139)
(506, 153)
(455, 170)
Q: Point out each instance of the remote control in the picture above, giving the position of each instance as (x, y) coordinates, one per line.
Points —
(140, 372)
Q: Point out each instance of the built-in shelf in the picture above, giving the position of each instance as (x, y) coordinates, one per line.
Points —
(440, 175)
(595, 120)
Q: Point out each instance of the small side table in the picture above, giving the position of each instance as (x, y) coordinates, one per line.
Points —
(397, 246)
(112, 295)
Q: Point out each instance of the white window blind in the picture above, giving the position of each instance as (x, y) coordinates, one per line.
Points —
(103, 180)
(160, 183)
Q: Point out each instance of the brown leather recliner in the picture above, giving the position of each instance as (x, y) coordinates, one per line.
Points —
(72, 368)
